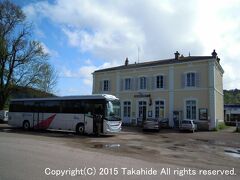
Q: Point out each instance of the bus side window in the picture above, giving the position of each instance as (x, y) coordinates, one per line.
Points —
(66, 106)
(29, 106)
(16, 106)
(86, 107)
(76, 106)
(52, 106)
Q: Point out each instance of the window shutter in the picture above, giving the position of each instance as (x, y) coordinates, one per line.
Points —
(100, 86)
(121, 85)
(197, 79)
(154, 82)
(183, 80)
(136, 83)
(109, 85)
(148, 79)
(164, 82)
(132, 84)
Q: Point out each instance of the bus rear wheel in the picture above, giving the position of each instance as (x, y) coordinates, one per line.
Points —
(80, 129)
(26, 125)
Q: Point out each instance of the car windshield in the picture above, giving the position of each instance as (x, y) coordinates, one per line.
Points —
(113, 110)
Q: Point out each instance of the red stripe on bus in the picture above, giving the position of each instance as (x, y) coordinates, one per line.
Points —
(44, 124)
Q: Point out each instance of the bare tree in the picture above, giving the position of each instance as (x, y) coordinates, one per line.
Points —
(23, 61)
(47, 79)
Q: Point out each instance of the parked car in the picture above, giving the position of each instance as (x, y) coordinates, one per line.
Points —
(187, 125)
(151, 124)
(3, 116)
(164, 123)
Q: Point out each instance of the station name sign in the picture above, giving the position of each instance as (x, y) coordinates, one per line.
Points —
(142, 95)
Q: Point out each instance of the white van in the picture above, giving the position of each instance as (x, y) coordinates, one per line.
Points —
(3, 115)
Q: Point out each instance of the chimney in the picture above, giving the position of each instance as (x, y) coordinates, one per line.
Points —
(176, 55)
(126, 62)
(214, 54)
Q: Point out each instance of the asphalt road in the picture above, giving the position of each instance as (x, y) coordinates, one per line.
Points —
(32, 156)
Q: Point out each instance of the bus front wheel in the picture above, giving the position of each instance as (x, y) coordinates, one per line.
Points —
(26, 125)
(80, 129)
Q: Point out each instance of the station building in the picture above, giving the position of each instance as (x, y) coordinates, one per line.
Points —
(178, 88)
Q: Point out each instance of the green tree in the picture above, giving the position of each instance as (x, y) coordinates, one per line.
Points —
(23, 61)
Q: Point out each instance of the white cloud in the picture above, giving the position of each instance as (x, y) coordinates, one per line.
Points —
(84, 72)
(69, 91)
(113, 30)
(51, 52)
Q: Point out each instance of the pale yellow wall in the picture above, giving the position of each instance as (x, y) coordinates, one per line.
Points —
(198, 67)
(219, 94)
(129, 96)
(179, 69)
(219, 107)
(218, 80)
(111, 76)
(202, 98)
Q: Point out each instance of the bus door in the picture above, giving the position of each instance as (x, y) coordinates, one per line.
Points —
(97, 124)
(98, 117)
(38, 116)
(88, 123)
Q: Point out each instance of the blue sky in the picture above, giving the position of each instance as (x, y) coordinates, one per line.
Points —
(84, 35)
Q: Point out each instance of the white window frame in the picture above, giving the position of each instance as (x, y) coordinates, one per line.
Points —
(137, 110)
(161, 81)
(143, 83)
(159, 106)
(106, 86)
(127, 104)
(127, 84)
(190, 84)
(185, 109)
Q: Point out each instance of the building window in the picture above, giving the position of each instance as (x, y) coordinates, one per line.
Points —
(159, 82)
(142, 108)
(190, 79)
(191, 109)
(143, 82)
(159, 109)
(127, 84)
(105, 85)
(127, 109)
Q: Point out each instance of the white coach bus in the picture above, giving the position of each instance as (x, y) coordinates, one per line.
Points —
(93, 114)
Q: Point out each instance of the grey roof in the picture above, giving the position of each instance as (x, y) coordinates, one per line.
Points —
(158, 62)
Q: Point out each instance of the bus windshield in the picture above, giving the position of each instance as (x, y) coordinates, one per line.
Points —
(113, 111)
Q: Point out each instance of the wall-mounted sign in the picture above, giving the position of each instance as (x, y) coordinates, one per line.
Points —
(142, 95)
